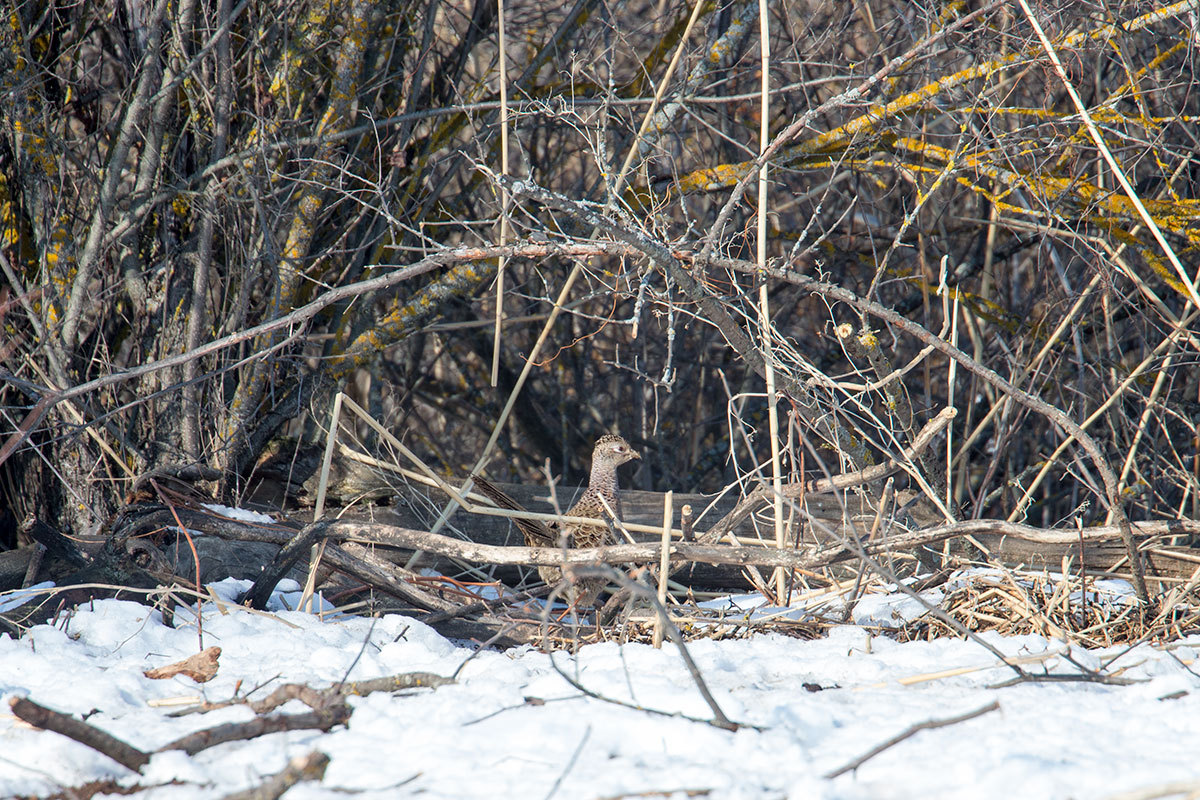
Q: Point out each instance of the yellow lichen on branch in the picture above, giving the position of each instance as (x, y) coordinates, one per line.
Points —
(405, 317)
(841, 138)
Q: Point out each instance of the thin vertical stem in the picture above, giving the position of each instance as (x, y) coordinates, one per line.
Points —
(951, 376)
(664, 568)
(505, 199)
(326, 460)
(764, 309)
(318, 549)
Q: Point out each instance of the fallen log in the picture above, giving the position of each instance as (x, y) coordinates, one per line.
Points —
(740, 555)
(362, 545)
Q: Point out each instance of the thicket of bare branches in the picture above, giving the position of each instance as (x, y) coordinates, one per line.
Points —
(214, 214)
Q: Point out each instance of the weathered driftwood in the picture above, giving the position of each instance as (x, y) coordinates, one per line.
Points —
(1168, 551)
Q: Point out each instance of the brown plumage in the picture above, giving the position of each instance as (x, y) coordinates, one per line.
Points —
(610, 452)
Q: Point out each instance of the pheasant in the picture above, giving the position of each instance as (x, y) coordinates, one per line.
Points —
(610, 452)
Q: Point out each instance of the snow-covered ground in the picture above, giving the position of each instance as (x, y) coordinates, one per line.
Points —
(512, 727)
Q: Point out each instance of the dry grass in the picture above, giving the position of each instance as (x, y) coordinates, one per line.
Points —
(1089, 611)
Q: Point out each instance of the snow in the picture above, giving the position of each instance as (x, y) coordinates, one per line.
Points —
(240, 514)
(512, 726)
(887, 610)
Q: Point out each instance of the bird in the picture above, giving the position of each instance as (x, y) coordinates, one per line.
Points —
(610, 452)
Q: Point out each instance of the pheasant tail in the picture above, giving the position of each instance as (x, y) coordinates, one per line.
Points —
(536, 534)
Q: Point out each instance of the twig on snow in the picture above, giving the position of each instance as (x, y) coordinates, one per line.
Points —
(719, 719)
(571, 763)
(912, 730)
(305, 768)
(48, 719)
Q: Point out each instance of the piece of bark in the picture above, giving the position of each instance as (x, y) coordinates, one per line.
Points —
(35, 564)
(200, 667)
(393, 683)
